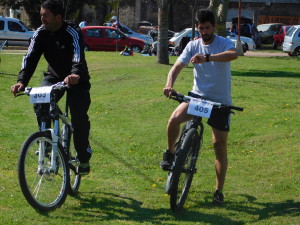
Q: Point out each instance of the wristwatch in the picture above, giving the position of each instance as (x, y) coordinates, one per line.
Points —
(207, 57)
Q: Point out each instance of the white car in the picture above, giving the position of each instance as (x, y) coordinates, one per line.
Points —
(14, 31)
(174, 41)
(130, 33)
(291, 43)
(248, 42)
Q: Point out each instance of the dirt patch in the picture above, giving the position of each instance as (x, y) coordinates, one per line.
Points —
(265, 54)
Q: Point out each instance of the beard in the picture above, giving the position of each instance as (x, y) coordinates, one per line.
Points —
(207, 37)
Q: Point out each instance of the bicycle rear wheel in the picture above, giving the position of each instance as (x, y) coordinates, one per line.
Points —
(43, 189)
(183, 170)
(75, 178)
(73, 162)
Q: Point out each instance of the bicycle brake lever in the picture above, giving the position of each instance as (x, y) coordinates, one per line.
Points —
(19, 95)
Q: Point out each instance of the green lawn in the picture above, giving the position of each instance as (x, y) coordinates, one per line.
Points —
(129, 115)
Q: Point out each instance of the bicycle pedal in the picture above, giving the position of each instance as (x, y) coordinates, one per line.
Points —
(193, 170)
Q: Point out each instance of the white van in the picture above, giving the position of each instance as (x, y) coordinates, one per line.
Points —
(14, 31)
(291, 43)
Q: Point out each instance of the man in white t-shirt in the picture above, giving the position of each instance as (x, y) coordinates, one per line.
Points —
(211, 56)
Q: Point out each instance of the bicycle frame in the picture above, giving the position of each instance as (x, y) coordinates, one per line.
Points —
(55, 114)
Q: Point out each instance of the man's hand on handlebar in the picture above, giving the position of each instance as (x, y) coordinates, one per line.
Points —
(168, 92)
(72, 79)
(18, 87)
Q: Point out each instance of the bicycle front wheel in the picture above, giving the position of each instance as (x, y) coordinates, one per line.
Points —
(183, 170)
(43, 188)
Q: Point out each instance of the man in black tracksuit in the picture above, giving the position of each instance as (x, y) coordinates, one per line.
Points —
(62, 45)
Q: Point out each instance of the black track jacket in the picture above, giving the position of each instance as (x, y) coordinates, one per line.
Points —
(63, 50)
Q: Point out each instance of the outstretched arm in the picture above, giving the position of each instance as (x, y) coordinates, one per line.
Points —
(226, 56)
(172, 76)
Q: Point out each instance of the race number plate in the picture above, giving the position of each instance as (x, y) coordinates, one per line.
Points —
(40, 95)
(198, 107)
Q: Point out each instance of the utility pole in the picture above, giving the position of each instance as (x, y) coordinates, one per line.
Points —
(238, 44)
(118, 21)
(193, 19)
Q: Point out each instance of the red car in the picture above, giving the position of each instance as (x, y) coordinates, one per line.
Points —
(102, 38)
(278, 37)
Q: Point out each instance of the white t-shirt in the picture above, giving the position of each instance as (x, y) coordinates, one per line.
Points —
(211, 79)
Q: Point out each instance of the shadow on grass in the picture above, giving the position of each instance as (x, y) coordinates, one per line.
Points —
(109, 206)
(114, 207)
(267, 209)
(260, 210)
(259, 73)
(266, 73)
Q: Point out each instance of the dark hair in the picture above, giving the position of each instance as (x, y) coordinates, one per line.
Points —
(205, 15)
(55, 6)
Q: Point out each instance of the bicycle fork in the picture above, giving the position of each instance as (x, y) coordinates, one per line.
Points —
(42, 148)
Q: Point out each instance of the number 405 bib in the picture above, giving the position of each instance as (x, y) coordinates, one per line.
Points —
(198, 107)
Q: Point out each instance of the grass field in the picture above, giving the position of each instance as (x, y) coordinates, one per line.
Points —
(129, 115)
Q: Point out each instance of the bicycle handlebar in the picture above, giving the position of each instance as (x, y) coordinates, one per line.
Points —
(61, 86)
(183, 98)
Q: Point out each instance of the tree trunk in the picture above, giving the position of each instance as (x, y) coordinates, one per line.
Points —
(219, 8)
(162, 41)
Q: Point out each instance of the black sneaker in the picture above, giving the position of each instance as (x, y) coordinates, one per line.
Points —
(168, 158)
(84, 170)
(218, 198)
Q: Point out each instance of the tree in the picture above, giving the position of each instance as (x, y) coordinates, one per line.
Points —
(32, 8)
(220, 8)
(162, 40)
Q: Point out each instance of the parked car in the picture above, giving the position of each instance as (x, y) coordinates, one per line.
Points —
(144, 23)
(174, 41)
(154, 33)
(268, 30)
(291, 43)
(102, 38)
(249, 44)
(177, 50)
(233, 41)
(130, 33)
(14, 31)
(278, 37)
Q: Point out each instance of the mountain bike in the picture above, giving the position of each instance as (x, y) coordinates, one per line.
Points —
(187, 148)
(47, 165)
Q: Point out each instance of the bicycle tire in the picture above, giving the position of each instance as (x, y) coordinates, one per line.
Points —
(73, 162)
(183, 170)
(185, 126)
(75, 178)
(43, 190)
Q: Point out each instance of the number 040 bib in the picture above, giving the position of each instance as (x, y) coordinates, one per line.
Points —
(198, 107)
